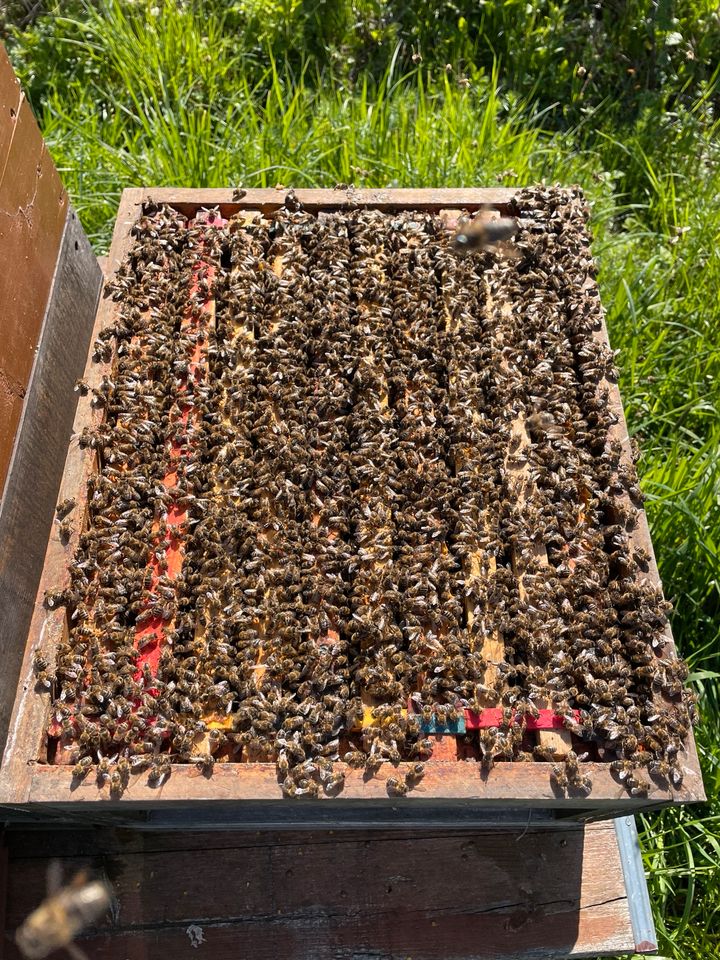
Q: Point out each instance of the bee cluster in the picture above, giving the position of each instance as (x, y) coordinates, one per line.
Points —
(395, 461)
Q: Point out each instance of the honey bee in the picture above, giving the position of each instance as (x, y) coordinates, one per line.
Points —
(559, 776)
(63, 915)
(396, 787)
(82, 768)
(39, 663)
(543, 424)
(55, 598)
(159, 771)
(64, 530)
(65, 506)
(486, 231)
(355, 758)
(334, 783)
(415, 775)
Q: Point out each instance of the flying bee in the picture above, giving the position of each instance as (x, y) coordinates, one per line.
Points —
(485, 232)
(65, 912)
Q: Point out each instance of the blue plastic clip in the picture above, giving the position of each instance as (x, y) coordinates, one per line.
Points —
(454, 728)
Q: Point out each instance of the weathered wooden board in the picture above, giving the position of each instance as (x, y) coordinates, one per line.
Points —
(26, 780)
(10, 99)
(33, 209)
(327, 895)
(49, 284)
(30, 717)
(523, 784)
(30, 494)
(341, 197)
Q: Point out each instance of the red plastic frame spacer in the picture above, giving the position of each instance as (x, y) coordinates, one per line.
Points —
(493, 717)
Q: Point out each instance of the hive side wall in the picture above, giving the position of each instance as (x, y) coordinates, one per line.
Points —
(33, 210)
(25, 736)
(49, 284)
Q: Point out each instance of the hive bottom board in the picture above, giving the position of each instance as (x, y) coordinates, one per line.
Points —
(514, 893)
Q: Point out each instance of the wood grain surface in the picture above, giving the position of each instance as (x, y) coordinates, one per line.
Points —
(188, 201)
(33, 208)
(519, 783)
(28, 504)
(325, 895)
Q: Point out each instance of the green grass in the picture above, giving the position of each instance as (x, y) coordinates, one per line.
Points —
(312, 93)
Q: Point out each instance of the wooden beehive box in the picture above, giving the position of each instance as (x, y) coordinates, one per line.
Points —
(453, 790)
(49, 288)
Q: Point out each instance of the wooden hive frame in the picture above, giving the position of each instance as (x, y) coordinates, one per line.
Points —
(458, 790)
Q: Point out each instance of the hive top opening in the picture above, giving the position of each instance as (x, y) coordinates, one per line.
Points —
(362, 498)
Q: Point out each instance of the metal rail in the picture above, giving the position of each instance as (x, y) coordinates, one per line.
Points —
(635, 885)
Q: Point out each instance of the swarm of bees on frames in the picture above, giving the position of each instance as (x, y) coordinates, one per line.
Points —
(361, 510)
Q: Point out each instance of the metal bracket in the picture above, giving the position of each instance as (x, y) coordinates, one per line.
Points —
(635, 885)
